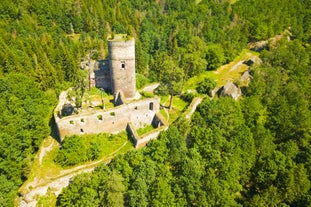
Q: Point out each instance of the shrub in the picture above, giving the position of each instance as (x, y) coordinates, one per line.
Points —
(206, 86)
(141, 81)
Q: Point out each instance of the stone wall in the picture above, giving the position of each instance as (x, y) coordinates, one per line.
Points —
(144, 139)
(102, 75)
(139, 113)
(132, 133)
(139, 141)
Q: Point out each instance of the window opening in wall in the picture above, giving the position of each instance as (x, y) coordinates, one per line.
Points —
(135, 108)
(100, 117)
(81, 130)
(151, 106)
(122, 65)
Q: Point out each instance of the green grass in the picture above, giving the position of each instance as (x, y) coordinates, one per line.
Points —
(164, 114)
(179, 106)
(145, 94)
(48, 167)
(225, 73)
(94, 91)
(48, 170)
(79, 149)
(94, 96)
(144, 130)
(48, 200)
(112, 143)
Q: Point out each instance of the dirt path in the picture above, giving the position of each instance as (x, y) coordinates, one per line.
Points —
(43, 152)
(39, 187)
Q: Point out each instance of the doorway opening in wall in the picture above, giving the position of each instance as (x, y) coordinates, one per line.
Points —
(81, 130)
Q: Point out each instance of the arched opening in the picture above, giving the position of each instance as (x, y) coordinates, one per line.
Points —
(122, 65)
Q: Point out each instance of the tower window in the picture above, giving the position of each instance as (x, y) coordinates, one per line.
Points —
(122, 65)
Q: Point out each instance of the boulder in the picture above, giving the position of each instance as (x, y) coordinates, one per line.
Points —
(246, 77)
(231, 90)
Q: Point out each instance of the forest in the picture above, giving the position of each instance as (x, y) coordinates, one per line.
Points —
(251, 152)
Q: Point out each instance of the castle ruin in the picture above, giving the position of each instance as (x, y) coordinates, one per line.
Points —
(116, 75)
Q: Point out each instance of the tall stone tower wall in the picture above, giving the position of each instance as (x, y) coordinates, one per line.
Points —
(122, 67)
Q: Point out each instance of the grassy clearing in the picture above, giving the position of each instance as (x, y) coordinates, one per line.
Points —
(164, 114)
(48, 169)
(225, 73)
(113, 143)
(178, 108)
(89, 147)
(145, 130)
(93, 98)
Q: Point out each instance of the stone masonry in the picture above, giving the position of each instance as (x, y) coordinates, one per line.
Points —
(139, 113)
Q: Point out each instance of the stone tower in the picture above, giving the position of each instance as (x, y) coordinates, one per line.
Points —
(122, 67)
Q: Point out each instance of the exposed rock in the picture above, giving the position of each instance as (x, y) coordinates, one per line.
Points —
(216, 91)
(246, 77)
(231, 90)
(253, 61)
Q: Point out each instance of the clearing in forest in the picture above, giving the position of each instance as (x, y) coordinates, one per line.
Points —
(226, 73)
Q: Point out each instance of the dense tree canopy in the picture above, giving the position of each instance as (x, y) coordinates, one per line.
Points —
(251, 152)
(24, 123)
(255, 152)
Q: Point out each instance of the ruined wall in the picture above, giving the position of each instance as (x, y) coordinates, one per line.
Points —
(122, 66)
(140, 114)
(132, 133)
(102, 75)
(140, 141)
(143, 140)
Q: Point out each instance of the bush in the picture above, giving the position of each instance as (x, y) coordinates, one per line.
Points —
(206, 86)
(188, 96)
(141, 81)
(147, 94)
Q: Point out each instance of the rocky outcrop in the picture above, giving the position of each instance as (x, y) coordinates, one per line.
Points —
(246, 78)
(231, 90)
